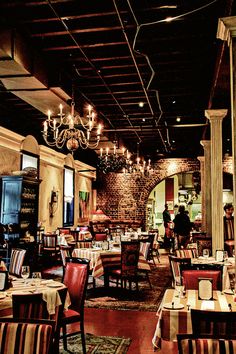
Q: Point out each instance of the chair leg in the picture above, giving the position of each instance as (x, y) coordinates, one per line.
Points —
(83, 337)
(148, 279)
(64, 337)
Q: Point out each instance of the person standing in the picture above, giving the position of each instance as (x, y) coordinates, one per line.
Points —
(168, 232)
(182, 227)
(229, 228)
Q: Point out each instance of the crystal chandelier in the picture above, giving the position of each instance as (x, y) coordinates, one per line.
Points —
(61, 129)
(112, 162)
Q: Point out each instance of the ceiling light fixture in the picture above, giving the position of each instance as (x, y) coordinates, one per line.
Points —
(178, 119)
(141, 104)
(61, 129)
(112, 161)
(138, 169)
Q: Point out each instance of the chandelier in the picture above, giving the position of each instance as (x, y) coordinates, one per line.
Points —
(140, 168)
(112, 162)
(61, 129)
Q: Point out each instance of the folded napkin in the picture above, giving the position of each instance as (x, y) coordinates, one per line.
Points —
(52, 298)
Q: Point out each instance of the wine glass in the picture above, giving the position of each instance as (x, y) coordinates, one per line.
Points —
(37, 280)
(179, 286)
(205, 253)
(25, 272)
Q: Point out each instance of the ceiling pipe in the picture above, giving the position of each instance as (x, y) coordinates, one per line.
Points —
(156, 128)
(137, 69)
(91, 64)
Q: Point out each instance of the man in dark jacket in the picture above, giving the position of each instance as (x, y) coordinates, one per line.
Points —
(182, 227)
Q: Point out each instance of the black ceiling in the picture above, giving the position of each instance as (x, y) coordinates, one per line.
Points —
(119, 53)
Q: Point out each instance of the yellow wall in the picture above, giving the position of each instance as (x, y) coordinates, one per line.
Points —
(51, 175)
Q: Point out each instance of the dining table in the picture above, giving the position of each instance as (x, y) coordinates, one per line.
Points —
(100, 259)
(174, 312)
(49, 288)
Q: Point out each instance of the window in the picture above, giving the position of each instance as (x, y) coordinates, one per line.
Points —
(30, 161)
(68, 217)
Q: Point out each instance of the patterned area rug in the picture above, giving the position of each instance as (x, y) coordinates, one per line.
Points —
(116, 298)
(145, 299)
(97, 345)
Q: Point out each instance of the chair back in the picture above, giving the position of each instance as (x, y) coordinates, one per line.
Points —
(175, 263)
(204, 243)
(186, 253)
(26, 337)
(217, 323)
(49, 241)
(190, 344)
(129, 258)
(65, 231)
(84, 244)
(191, 273)
(65, 253)
(145, 248)
(76, 280)
(32, 306)
(100, 237)
(16, 261)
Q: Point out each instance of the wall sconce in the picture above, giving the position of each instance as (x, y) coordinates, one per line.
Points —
(53, 204)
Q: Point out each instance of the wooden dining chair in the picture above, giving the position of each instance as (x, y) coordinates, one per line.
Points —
(200, 344)
(128, 271)
(76, 280)
(16, 261)
(217, 323)
(50, 247)
(26, 337)
(175, 263)
(32, 306)
(186, 253)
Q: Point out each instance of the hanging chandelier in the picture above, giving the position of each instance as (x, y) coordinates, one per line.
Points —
(112, 161)
(140, 168)
(72, 130)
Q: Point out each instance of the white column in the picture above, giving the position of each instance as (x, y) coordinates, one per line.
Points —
(215, 117)
(226, 32)
(207, 185)
(203, 189)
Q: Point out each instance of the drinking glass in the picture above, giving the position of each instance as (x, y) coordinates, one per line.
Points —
(179, 286)
(205, 253)
(37, 280)
(225, 255)
(25, 272)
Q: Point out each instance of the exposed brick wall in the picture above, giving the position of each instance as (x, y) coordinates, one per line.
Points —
(121, 196)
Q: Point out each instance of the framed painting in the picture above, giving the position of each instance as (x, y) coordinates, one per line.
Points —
(84, 206)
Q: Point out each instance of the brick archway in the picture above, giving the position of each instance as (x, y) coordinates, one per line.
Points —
(115, 187)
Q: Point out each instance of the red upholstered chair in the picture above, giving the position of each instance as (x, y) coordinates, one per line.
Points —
(100, 237)
(191, 278)
(217, 323)
(64, 230)
(76, 280)
(190, 344)
(16, 261)
(25, 337)
(129, 264)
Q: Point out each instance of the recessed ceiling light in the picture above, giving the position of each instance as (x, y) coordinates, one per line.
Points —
(174, 101)
(143, 119)
(228, 139)
(173, 141)
(141, 104)
(178, 119)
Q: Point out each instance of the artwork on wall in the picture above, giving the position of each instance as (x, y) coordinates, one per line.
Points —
(84, 209)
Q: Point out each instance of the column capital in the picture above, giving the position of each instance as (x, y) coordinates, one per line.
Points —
(215, 114)
(226, 28)
(206, 144)
(201, 159)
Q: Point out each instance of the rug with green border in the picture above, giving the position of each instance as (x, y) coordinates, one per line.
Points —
(96, 345)
(145, 299)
